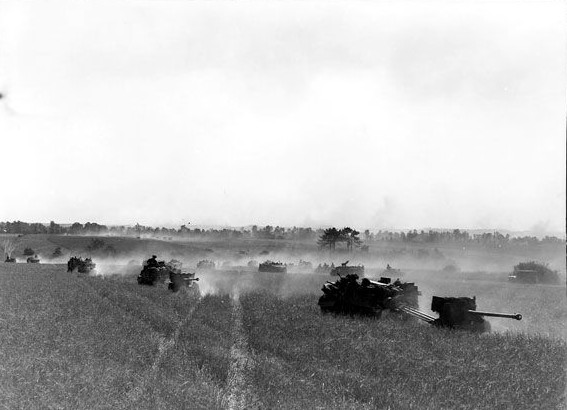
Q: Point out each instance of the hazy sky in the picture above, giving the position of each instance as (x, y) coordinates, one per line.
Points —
(363, 113)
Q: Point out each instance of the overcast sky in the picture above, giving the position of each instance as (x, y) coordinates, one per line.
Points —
(446, 114)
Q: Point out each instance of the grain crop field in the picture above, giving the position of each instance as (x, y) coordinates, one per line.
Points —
(258, 340)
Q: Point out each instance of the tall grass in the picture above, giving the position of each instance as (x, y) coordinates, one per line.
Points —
(77, 342)
(70, 341)
(308, 359)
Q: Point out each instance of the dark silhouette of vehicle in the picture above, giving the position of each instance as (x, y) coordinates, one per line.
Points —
(349, 295)
(457, 313)
(33, 259)
(206, 264)
(269, 266)
(533, 272)
(155, 272)
(83, 266)
(345, 270)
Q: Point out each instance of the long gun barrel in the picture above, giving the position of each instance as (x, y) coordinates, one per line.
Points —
(516, 316)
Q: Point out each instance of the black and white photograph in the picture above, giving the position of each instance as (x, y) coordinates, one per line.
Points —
(283, 204)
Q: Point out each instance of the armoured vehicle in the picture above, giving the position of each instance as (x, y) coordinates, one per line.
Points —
(32, 259)
(155, 272)
(345, 270)
(206, 264)
(269, 266)
(82, 266)
(457, 313)
(10, 259)
(389, 271)
(533, 272)
(367, 297)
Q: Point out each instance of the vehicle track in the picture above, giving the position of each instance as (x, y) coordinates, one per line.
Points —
(240, 392)
(164, 345)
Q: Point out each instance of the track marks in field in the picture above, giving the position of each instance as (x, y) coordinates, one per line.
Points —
(164, 345)
(240, 392)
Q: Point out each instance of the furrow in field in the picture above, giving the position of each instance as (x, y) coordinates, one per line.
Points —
(240, 392)
(164, 345)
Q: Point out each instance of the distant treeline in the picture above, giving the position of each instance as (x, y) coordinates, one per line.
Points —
(271, 232)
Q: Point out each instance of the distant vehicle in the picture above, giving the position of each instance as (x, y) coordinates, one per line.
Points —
(32, 259)
(206, 264)
(82, 266)
(345, 270)
(10, 259)
(155, 272)
(532, 273)
(389, 271)
(269, 266)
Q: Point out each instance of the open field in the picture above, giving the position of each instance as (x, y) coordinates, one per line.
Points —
(258, 340)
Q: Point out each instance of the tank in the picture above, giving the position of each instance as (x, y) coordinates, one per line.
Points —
(392, 271)
(160, 272)
(350, 295)
(32, 259)
(155, 273)
(345, 270)
(532, 273)
(206, 264)
(458, 313)
(82, 266)
(10, 259)
(269, 266)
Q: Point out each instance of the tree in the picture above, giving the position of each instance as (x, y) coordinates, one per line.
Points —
(350, 237)
(329, 238)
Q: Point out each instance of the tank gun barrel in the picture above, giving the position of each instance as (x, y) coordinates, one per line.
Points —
(516, 316)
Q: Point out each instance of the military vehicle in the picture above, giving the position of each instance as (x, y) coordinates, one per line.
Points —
(349, 295)
(393, 272)
(345, 270)
(533, 272)
(155, 272)
(269, 266)
(10, 259)
(33, 259)
(82, 266)
(206, 264)
(457, 313)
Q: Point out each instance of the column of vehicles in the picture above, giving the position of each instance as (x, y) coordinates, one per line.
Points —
(351, 293)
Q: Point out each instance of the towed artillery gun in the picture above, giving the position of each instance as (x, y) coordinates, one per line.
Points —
(457, 313)
(154, 272)
(83, 266)
(348, 295)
